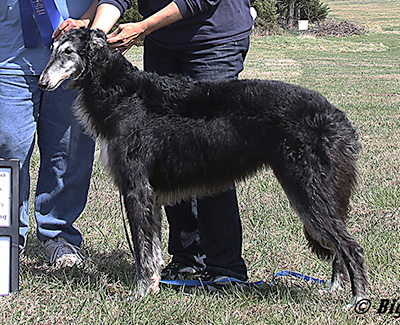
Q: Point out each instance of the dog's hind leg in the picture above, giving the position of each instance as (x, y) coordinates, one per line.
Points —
(339, 271)
(312, 192)
(145, 222)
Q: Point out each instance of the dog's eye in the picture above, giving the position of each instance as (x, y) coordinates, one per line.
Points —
(69, 50)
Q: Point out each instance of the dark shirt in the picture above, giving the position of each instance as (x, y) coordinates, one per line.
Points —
(210, 22)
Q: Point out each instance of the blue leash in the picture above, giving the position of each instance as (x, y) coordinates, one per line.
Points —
(199, 283)
(299, 276)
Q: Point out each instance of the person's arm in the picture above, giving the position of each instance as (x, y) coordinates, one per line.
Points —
(102, 17)
(193, 7)
(106, 17)
(126, 35)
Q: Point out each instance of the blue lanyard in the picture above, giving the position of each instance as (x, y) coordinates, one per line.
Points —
(47, 17)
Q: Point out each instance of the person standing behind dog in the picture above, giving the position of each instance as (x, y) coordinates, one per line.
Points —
(66, 154)
(204, 40)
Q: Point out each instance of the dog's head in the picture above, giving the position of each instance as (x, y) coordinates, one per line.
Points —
(72, 55)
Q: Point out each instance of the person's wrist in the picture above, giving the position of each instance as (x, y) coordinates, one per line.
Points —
(84, 22)
(144, 28)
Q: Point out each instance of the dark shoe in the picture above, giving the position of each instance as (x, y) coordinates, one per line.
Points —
(179, 271)
(212, 281)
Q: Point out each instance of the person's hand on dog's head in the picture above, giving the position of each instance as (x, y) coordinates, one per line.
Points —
(67, 25)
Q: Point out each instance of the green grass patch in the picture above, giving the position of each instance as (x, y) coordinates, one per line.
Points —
(359, 74)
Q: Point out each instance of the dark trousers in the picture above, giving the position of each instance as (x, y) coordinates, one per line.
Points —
(204, 232)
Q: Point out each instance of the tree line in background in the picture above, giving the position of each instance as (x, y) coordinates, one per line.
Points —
(271, 14)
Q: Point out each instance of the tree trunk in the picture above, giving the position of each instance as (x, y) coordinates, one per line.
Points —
(291, 18)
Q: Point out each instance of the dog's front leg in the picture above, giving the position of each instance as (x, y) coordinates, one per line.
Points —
(145, 223)
(157, 248)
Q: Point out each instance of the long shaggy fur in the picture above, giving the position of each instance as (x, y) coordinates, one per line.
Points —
(167, 138)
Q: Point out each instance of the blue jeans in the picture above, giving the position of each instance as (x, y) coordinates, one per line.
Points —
(66, 155)
(206, 232)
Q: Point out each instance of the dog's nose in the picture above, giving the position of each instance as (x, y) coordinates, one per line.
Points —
(43, 82)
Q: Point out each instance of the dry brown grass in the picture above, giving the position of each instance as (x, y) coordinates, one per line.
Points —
(358, 74)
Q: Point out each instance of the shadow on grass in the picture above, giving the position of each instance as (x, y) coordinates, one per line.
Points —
(114, 271)
(282, 290)
(111, 268)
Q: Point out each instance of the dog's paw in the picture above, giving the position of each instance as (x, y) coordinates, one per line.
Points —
(324, 292)
(146, 287)
(143, 288)
(360, 304)
(155, 283)
(335, 286)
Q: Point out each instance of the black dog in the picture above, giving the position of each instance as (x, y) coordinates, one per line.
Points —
(167, 138)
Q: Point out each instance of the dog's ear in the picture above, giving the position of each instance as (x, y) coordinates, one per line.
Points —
(98, 50)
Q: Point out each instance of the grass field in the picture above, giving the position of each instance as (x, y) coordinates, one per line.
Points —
(359, 74)
(377, 15)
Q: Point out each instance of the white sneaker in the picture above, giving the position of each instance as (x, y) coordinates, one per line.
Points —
(61, 253)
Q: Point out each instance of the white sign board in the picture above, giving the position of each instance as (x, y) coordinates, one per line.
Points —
(5, 197)
(9, 226)
(5, 221)
(5, 255)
